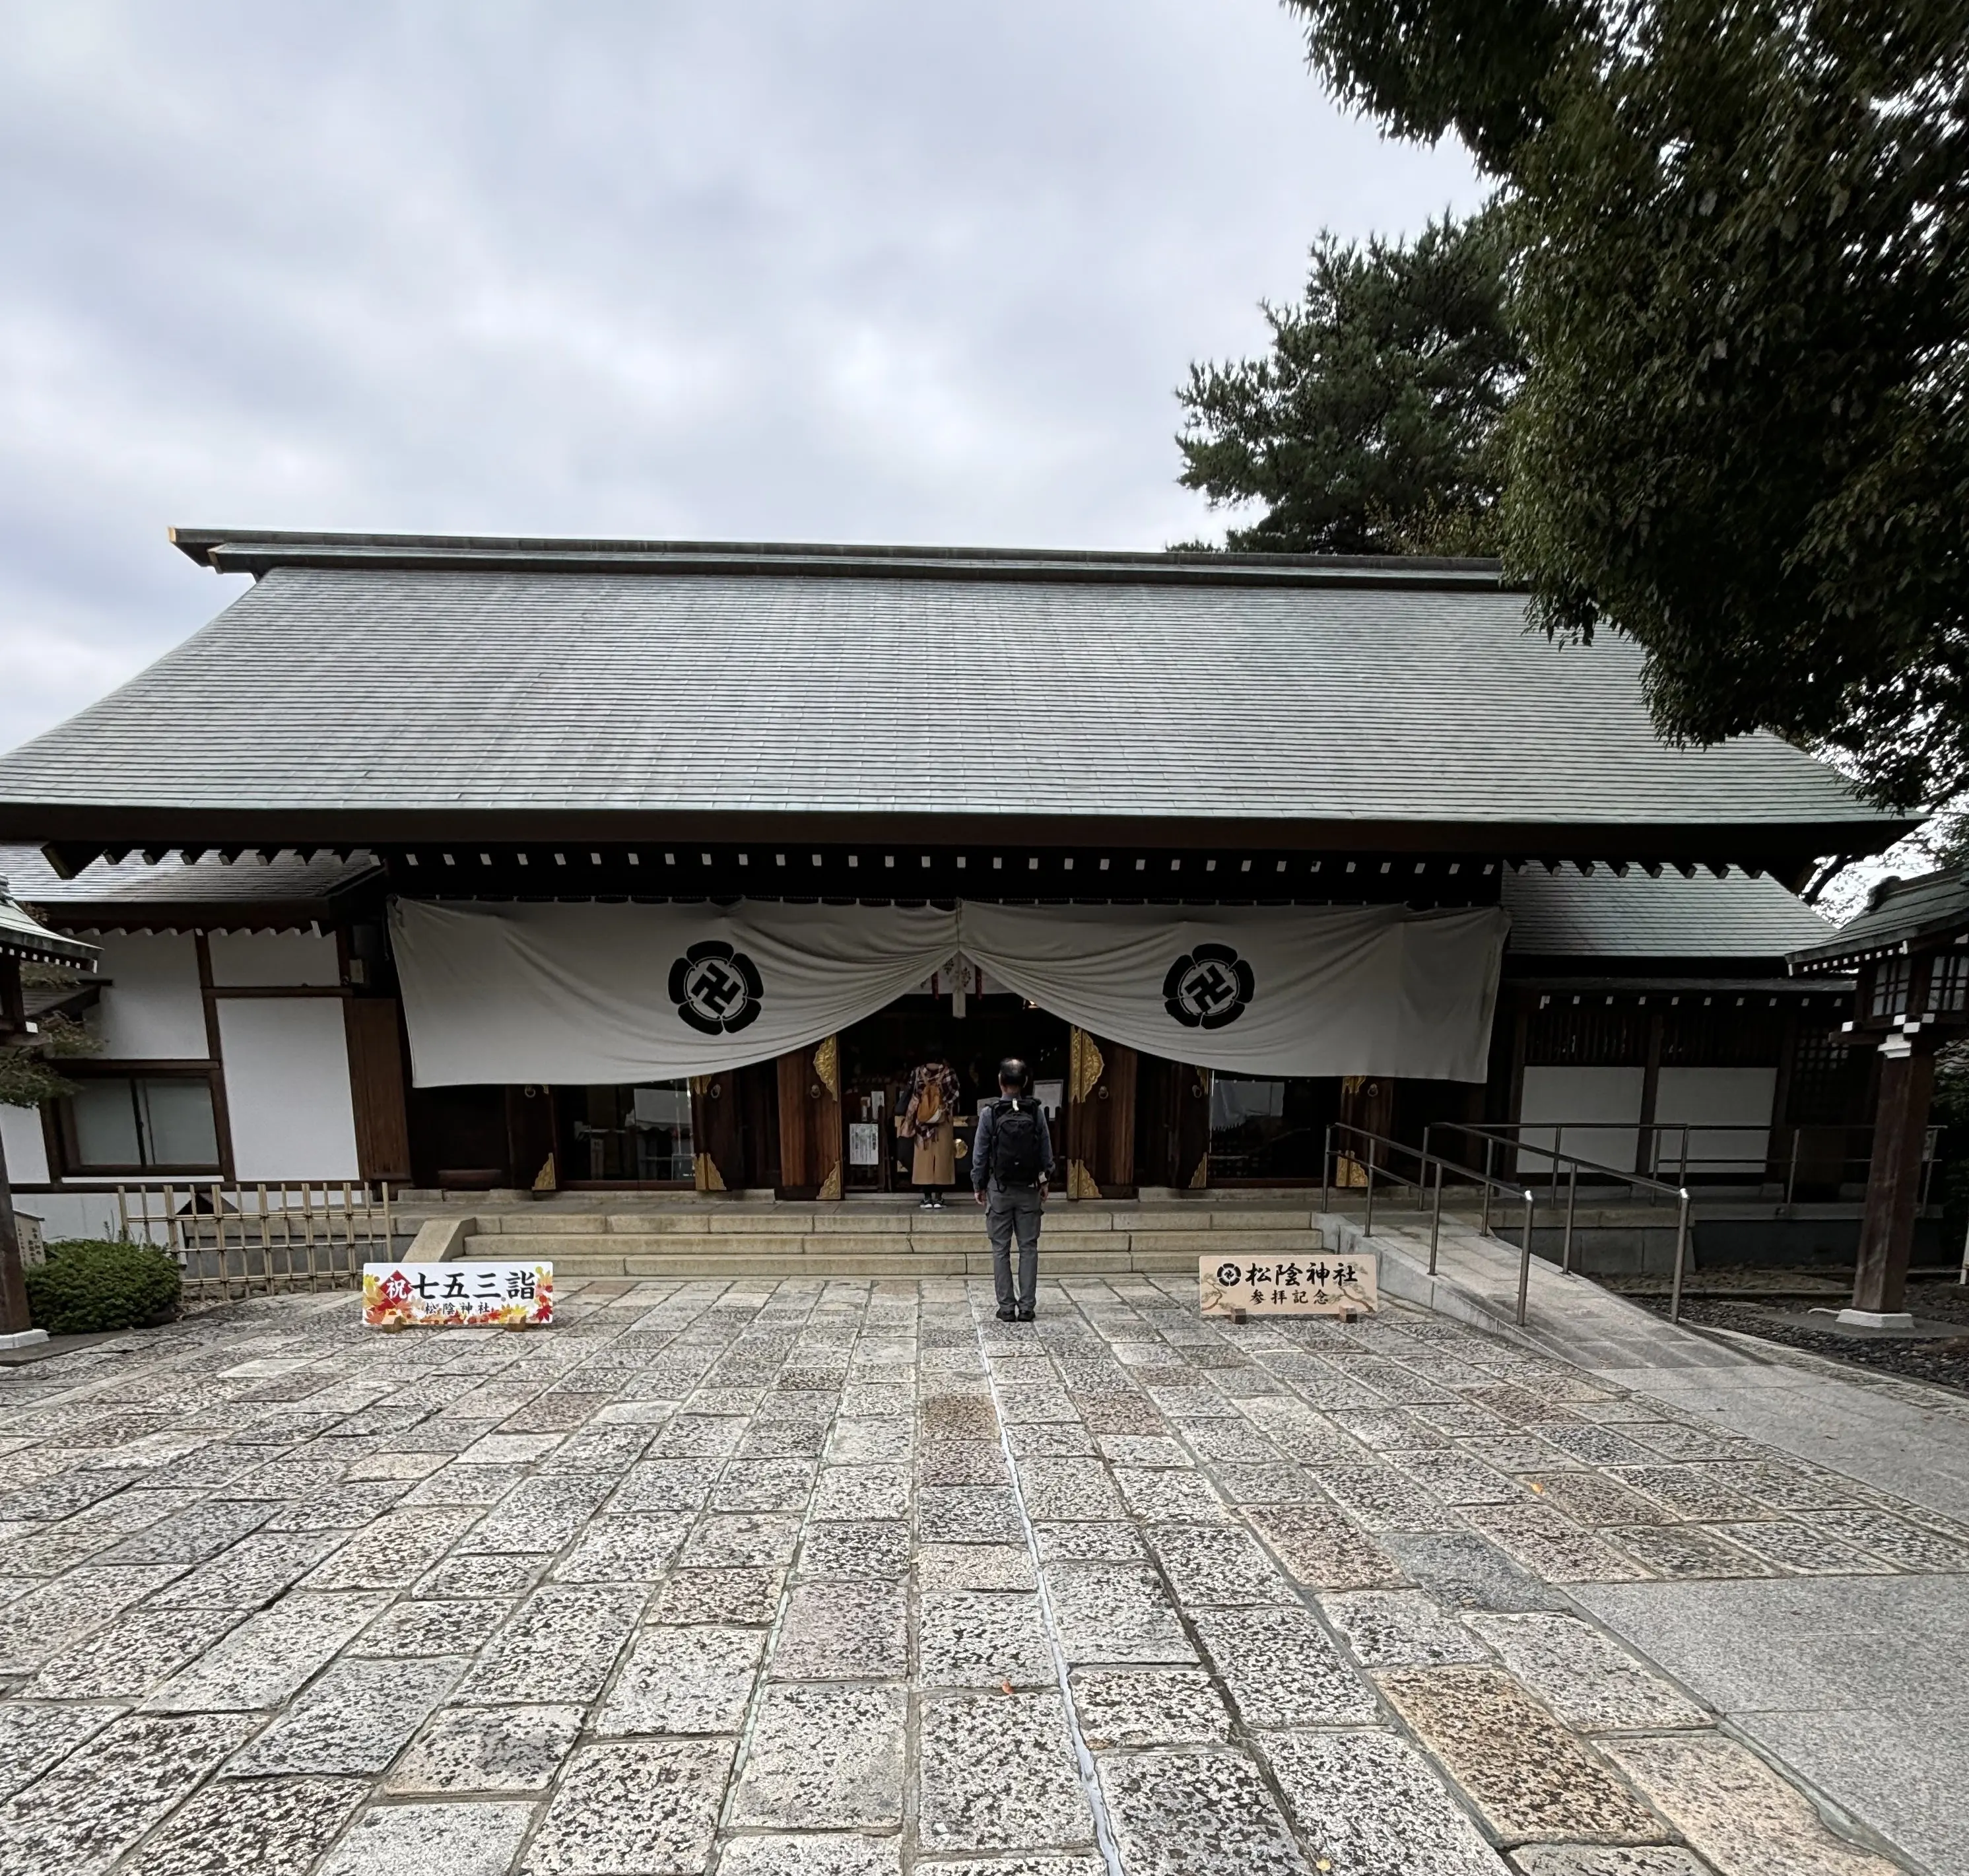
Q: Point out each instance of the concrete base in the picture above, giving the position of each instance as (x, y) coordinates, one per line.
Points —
(23, 1338)
(1876, 1319)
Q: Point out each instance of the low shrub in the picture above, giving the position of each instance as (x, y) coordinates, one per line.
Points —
(90, 1284)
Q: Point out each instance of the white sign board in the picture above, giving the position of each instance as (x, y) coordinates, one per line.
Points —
(1316, 1283)
(466, 1294)
(864, 1144)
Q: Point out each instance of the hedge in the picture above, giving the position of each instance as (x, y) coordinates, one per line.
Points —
(88, 1285)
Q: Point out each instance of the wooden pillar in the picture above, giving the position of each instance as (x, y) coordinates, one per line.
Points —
(1193, 1127)
(1172, 1123)
(376, 1081)
(531, 1158)
(812, 1140)
(716, 1133)
(1894, 1180)
(13, 1279)
(1099, 1118)
(1367, 1102)
(1647, 1159)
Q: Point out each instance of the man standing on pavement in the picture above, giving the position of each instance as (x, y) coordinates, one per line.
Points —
(1011, 1165)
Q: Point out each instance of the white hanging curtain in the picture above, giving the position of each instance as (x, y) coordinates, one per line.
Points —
(1261, 990)
(580, 994)
(599, 993)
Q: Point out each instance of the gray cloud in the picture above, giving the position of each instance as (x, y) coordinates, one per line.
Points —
(875, 271)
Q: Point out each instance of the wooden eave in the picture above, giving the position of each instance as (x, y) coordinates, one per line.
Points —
(75, 835)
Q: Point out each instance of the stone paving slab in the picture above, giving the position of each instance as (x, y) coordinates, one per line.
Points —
(825, 1758)
(786, 1579)
(1369, 1805)
(272, 1826)
(501, 1749)
(1855, 1682)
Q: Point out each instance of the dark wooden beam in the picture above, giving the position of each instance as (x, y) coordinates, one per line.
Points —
(87, 831)
(13, 1319)
(1893, 1181)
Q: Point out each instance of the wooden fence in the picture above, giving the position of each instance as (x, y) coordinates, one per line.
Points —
(235, 1240)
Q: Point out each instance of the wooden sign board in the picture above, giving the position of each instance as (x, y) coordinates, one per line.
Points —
(466, 1294)
(1315, 1283)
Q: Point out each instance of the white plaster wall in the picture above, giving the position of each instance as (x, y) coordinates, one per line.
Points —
(280, 960)
(1571, 1096)
(286, 1087)
(153, 1010)
(1735, 1099)
(25, 1145)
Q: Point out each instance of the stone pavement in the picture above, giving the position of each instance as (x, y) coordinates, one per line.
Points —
(1904, 1435)
(829, 1578)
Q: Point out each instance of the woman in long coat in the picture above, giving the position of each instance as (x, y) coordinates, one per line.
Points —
(930, 1118)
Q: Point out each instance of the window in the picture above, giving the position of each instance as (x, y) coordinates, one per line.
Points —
(635, 1135)
(123, 1122)
(1264, 1129)
(1891, 980)
(1573, 1034)
(1948, 983)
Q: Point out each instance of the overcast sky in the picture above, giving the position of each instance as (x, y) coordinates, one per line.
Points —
(881, 270)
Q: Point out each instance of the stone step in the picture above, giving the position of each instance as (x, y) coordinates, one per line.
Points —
(908, 1267)
(709, 1220)
(1176, 1248)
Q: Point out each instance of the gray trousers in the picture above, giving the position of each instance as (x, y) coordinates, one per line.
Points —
(1010, 1208)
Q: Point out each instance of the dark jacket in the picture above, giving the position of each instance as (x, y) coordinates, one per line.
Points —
(981, 1146)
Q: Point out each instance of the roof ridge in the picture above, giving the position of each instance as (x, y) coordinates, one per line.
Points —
(259, 551)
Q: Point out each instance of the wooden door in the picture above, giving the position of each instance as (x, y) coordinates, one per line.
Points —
(1367, 1102)
(1193, 1127)
(812, 1143)
(530, 1136)
(1172, 1123)
(1099, 1118)
(376, 1083)
(716, 1133)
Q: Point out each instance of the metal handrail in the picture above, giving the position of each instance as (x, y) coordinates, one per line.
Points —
(1425, 1160)
(1650, 1133)
(1575, 1165)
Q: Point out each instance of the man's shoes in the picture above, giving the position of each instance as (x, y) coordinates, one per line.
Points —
(1008, 1314)
(1026, 1314)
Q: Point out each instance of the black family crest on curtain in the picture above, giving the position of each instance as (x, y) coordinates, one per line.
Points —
(1208, 987)
(717, 990)
(578, 988)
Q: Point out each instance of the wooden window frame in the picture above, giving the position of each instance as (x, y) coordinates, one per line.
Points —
(65, 1160)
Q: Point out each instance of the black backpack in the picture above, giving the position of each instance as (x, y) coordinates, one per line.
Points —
(1017, 1159)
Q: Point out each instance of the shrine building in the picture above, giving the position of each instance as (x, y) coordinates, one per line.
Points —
(476, 865)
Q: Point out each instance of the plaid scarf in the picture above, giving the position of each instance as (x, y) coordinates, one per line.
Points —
(942, 1077)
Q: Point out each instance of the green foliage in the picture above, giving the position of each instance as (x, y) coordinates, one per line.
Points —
(89, 1285)
(1745, 256)
(40, 975)
(1739, 252)
(1950, 1112)
(26, 1079)
(1478, 67)
(1372, 425)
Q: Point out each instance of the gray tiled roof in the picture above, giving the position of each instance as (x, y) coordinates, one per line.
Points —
(1901, 911)
(1566, 914)
(176, 881)
(392, 687)
(24, 937)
